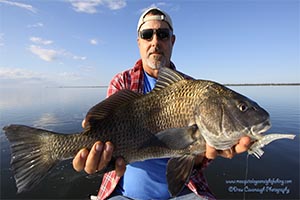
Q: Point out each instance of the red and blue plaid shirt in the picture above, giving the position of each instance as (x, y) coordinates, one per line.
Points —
(133, 79)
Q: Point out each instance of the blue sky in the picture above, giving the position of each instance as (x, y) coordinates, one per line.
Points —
(81, 42)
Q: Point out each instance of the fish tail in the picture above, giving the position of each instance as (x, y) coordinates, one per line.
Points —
(31, 155)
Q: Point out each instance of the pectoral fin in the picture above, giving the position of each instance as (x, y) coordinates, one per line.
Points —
(179, 171)
(175, 138)
(178, 138)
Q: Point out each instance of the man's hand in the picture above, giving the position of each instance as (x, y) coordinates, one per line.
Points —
(242, 146)
(97, 158)
(212, 153)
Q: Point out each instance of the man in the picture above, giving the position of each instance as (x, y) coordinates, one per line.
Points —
(146, 180)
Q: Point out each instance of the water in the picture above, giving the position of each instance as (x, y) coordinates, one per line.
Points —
(274, 176)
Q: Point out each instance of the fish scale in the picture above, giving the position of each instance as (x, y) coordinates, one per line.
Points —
(176, 120)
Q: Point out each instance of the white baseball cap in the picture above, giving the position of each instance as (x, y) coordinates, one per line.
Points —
(165, 17)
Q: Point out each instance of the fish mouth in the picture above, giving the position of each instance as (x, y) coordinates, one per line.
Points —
(260, 128)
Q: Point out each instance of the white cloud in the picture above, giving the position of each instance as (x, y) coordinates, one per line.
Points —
(79, 57)
(37, 25)
(17, 73)
(20, 5)
(85, 6)
(70, 76)
(38, 40)
(15, 77)
(70, 55)
(1, 39)
(50, 55)
(20, 77)
(87, 69)
(94, 41)
(115, 4)
(90, 6)
(45, 54)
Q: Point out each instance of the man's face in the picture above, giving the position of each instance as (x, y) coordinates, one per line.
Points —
(155, 52)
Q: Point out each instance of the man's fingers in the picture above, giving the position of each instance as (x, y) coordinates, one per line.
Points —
(80, 159)
(83, 123)
(228, 153)
(106, 155)
(243, 145)
(120, 167)
(93, 158)
(211, 153)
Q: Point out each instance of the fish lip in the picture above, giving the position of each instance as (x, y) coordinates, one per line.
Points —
(260, 128)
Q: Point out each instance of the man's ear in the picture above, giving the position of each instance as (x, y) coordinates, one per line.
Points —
(173, 39)
(138, 41)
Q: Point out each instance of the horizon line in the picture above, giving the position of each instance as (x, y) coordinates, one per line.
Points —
(226, 84)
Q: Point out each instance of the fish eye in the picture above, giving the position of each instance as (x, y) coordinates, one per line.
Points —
(243, 107)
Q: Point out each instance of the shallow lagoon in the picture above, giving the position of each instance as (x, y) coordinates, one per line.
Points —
(274, 176)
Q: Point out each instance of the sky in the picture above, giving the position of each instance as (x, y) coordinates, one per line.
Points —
(86, 42)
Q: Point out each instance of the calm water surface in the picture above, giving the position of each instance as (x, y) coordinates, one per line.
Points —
(274, 176)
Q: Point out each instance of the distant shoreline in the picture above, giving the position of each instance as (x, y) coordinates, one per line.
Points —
(227, 84)
(262, 84)
(87, 86)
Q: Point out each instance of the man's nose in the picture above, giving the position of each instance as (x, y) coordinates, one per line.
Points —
(155, 41)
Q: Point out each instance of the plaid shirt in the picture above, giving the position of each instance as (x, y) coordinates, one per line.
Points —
(133, 79)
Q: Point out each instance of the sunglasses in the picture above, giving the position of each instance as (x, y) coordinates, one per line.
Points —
(161, 33)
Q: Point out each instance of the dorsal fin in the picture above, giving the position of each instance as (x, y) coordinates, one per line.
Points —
(107, 106)
(167, 77)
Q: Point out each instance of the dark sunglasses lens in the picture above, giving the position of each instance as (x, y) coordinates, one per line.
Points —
(163, 33)
(146, 34)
